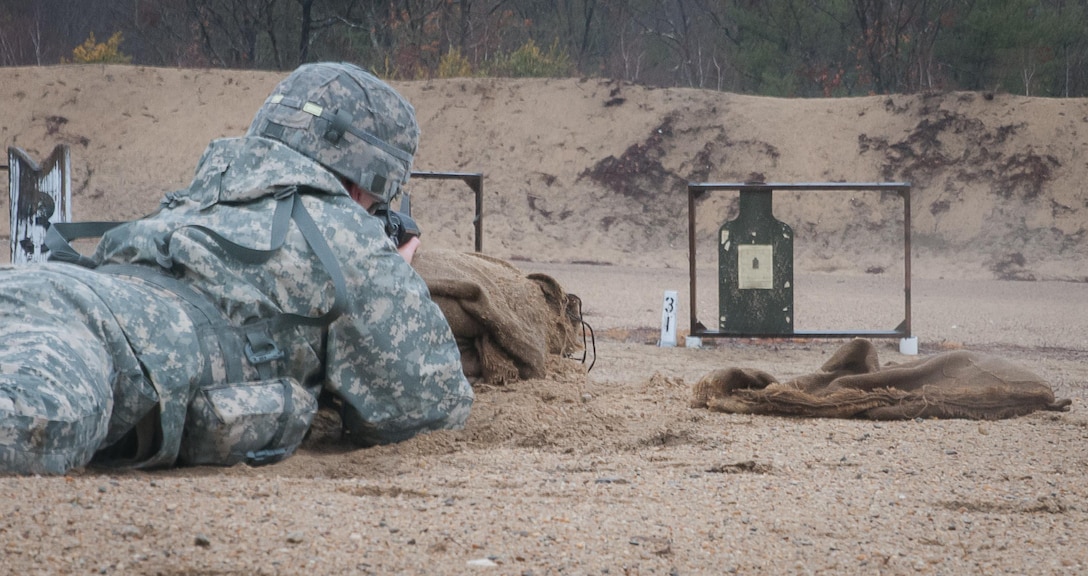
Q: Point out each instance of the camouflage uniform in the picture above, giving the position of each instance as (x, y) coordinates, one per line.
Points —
(202, 336)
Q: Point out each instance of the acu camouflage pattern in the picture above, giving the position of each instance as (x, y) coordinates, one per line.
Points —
(256, 422)
(113, 367)
(347, 120)
(86, 359)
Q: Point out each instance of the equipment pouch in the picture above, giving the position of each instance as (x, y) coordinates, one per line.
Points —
(252, 422)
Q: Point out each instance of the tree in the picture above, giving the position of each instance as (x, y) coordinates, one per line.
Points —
(775, 47)
(1024, 46)
(897, 38)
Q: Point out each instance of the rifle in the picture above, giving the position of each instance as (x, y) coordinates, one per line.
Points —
(399, 225)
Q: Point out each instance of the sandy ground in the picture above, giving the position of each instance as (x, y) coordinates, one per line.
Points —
(611, 471)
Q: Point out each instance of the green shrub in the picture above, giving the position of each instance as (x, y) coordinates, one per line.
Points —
(454, 65)
(530, 62)
(109, 53)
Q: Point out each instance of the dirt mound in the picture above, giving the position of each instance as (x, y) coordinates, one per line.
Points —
(595, 171)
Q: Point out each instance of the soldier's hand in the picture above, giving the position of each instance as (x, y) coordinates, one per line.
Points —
(408, 249)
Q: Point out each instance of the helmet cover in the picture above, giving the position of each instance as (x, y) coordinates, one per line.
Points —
(347, 120)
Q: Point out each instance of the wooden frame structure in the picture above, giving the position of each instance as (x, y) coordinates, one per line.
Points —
(39, 195)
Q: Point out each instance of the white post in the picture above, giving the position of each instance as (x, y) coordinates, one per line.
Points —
(39, 196)
(668, 319)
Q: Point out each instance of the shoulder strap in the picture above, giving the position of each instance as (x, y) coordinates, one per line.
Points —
(289, 207)
(59, 237)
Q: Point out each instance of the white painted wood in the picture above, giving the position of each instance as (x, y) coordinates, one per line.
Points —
(40, 195)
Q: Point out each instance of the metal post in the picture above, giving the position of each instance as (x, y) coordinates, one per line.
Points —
(695, 325)
(475, 181)
(905, 193)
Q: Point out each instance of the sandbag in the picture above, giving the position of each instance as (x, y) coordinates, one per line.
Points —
(506, 323)
(852, 384)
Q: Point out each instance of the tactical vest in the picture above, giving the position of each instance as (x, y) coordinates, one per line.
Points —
(236, 420)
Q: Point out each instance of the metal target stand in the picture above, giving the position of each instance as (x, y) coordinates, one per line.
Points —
(757, 302)
(475, 181)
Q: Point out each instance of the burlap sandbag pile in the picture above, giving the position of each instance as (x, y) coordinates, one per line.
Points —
(852, 384)
(506, 323)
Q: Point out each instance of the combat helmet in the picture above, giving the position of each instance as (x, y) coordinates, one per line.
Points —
(347, 120)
